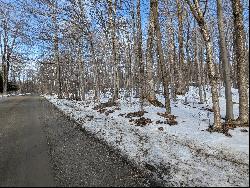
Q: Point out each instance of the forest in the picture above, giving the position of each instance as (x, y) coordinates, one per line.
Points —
(90, 87)
(131, 50)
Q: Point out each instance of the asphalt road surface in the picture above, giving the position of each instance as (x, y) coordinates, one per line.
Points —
(39, 146)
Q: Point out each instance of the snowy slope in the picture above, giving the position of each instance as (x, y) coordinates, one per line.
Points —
(178, 155)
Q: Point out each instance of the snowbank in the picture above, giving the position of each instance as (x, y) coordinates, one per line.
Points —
(179, 155)
(3, 96)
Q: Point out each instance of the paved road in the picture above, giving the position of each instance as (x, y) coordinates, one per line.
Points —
(41, 147)
(24, 159)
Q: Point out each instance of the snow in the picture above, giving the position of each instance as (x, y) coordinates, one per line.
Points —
(3, 96)
(183, 154)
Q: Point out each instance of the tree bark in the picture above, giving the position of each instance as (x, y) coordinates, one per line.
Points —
(139, 53)
(154, 4)
(81, 73)
(225, 63)
(171, 51)
(239, 41)
(209, 54)
(199, 62)
(181, 84)
(150, 79)
(96, 69)
(5, 63)
(56, 50)
(111, 12)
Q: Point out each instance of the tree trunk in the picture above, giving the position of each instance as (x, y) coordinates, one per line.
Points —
(150, 79)
(139, 53)
(240, 54)
(128, 68)
(81, 73)
(209, 54)
(225, 63)
(171, 51)
(111, 12)
(181, 84)
(154, 4)
(96, 69)
(4, 57)
(199, 63)
(56, 50)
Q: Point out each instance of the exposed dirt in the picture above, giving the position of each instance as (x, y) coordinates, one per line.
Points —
(142, 121)
(244, 130)
(105, 105)
(135, 114)
(156, 103)
(207, 109)
(101, 110)
(109, 112)
(226, 126)
(160, 128)
(170, 119)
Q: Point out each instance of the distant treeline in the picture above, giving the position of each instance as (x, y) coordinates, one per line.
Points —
(10, 87)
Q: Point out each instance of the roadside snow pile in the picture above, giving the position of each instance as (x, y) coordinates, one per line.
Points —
(3, 96)
(179, 155)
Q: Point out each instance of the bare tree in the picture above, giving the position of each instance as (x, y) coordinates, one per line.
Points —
(180, 13)
(112, 12)
(54, 15)
(240, 53)
(139, 53)
(225, 63)
(150, 78)
(199, 16)
(12, 30)
(154, 4)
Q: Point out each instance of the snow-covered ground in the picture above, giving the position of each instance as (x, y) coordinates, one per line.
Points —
(13, 94)
(179, 155)
(3, 96)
